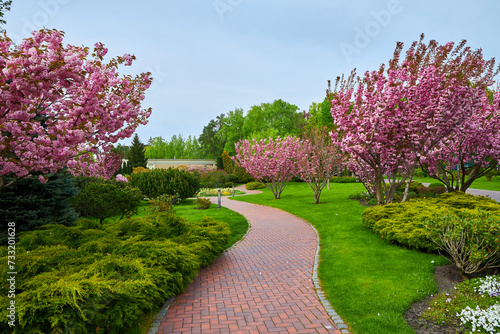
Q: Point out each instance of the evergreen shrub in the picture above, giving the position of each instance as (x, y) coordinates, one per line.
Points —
(104, 200)
(254, 185)
(93, 278)
(202, 203)
(404, 223)
(170, 181)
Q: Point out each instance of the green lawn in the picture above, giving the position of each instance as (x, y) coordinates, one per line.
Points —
(368, 281)
(237, 223)
(480, 183)
(187, 209)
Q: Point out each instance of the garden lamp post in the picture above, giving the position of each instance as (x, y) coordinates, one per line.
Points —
(218, 195)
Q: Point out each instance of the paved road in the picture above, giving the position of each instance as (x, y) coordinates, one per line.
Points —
(263, 284)
(489, 193)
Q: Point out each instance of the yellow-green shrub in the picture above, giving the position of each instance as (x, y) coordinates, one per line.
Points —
(404, 222)
(254, 185)
(101, 279)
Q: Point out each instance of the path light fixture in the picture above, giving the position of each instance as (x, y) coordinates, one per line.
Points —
(218, 195)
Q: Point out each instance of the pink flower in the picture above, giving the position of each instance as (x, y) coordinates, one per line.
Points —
(121, 178)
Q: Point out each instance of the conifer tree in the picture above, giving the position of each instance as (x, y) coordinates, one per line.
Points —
(136, 155)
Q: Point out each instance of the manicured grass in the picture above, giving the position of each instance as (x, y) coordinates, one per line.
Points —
(187, 209)
(237, 223)
(369, 281)
(480, 183)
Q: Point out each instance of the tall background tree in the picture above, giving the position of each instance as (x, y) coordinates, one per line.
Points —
(61, 107)
(212, 144)
(277, 119)
(4, 7)
(136, 153)
(176, 148)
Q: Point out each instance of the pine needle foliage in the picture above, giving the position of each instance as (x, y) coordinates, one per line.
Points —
(93, 278)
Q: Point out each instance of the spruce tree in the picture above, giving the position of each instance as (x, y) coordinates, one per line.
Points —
(136, 155)
(31, 204)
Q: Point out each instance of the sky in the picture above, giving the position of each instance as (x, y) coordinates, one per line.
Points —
(208, 57)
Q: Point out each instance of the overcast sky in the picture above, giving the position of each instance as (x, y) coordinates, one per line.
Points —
(211, 56)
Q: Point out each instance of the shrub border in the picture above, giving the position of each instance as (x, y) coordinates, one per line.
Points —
(153, 329)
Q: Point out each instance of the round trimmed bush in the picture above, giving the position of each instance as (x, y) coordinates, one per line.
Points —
(170, 181)
(404, 222)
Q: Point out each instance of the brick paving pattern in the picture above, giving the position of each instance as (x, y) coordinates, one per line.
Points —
(261, 285)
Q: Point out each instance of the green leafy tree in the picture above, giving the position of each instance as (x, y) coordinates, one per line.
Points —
(4, 6)
(277, 119)
(121, 150)
(212, 144)
(320, 114)
(232, 129)
(136, 154)
(31, 204)
(176, 148)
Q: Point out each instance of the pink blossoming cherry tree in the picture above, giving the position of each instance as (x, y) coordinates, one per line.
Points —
(272, 161)
(430, 109)
(318, 160)
(63, 107)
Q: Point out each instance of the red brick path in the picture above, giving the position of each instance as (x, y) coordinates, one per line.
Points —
(262, 285)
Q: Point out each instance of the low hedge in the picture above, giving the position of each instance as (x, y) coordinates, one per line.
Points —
(344, 179)
(94, 278)
(403, 223)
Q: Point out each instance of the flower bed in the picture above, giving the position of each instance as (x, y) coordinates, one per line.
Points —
(212, 192)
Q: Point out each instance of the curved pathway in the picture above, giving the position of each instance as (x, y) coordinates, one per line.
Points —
(263, 284)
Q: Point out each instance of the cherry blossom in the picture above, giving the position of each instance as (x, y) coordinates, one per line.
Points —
(63, 107)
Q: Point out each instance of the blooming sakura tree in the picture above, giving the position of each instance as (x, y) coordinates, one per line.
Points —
(472, 151)
(318, 160)
(61, 107)
(272, 162)
(400, 116)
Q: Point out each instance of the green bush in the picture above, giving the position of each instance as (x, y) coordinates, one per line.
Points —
(163, 203)
(170, 181)
(254, 185)
(431, 191)
(436, 184)
(104, 278)
(105, 200)
(344, 179)
(404, 222)
(489, 176)
(363, 195)
(472, 240)
(217, 179)
(243, 176)
(202, 203)
(414, 185)
(420, 173)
